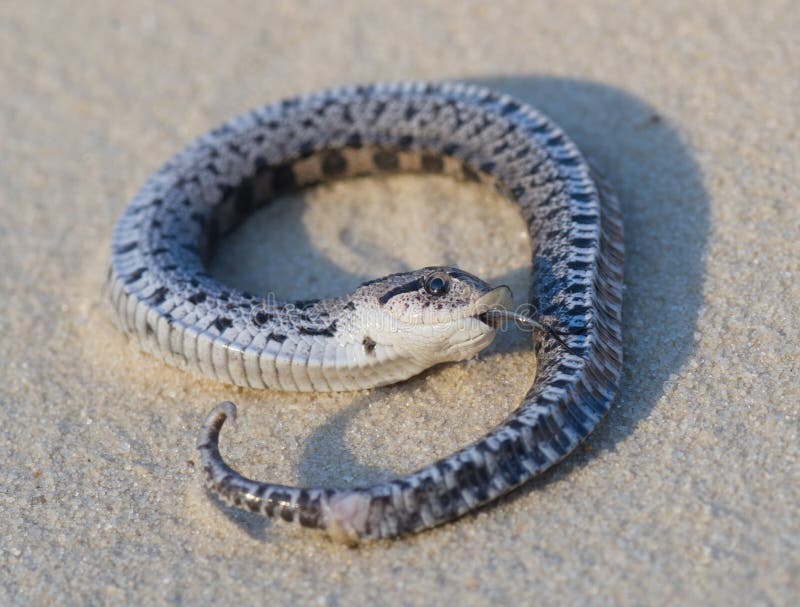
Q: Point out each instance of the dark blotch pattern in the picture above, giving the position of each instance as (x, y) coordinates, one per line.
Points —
(469, 173)
(261, 317)
(334, 164)
(431, 163)
(159, 295)
(222, 322)
(126, 248)
(135, 275)
(283, 178)
(386, 160)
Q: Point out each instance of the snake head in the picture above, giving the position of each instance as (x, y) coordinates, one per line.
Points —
(435, 314)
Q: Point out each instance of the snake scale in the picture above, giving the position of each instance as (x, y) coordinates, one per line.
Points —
(390, 328)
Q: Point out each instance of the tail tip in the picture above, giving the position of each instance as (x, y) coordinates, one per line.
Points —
(226, 408)
(213, 423)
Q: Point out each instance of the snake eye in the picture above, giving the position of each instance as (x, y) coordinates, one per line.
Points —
(438, 284)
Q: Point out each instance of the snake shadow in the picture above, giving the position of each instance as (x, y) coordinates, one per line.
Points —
(666, 216)
(254, 525)
(328, 461)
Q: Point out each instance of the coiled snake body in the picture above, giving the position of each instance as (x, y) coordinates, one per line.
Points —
(393, 327)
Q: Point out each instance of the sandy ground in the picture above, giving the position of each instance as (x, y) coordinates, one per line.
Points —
(688, 493)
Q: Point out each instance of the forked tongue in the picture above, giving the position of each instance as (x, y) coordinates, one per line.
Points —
(498, 315)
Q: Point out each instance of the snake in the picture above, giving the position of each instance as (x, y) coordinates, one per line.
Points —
(391, 328)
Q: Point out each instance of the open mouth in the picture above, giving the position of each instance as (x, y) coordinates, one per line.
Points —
(491, 318)
(493, 306)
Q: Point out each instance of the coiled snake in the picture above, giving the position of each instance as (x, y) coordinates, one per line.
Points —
(390, 328)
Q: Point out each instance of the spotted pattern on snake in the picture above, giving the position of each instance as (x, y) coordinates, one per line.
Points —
(393, 327)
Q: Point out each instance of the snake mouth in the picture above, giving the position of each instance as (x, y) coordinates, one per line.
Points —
(495, 321)
(491, 307)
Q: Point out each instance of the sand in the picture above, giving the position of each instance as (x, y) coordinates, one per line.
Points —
(687, 494)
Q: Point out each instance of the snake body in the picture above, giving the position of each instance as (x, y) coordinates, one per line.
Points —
(393, 327)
